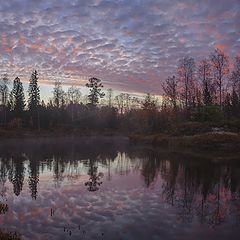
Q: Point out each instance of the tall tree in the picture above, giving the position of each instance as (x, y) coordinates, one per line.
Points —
(73, 95)
(95, 86)
(4, 91)
(33, 92)
(119, 99)
(149, 103)
(18, 99)
(235, 76)
(235, 82)
(204, 75)
(170, 90)
(220, 67)
(149, 107)
(110, 97)
(58, 94)
(123, 102)
(34, 99)
(186, 78)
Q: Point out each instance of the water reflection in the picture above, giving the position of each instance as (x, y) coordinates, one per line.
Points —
(94, 177)
(3, 208)
(196, 189)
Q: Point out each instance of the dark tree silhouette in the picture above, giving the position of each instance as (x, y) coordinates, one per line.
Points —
(17, 174)
(4, 91)
(95, 86)
(18, 99)
(33, 177)
(34, 99)
(110, 97)
(33, 92)
(170, 90)
(58, 95)
(149, 103)
(204, 75)
(190, 96)
(186, 78)
(94, 181)
(220, 67)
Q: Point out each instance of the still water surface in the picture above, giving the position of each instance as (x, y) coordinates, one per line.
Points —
(104, 188)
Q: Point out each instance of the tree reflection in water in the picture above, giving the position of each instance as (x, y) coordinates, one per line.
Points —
(3, 208)
(95, 178)
(194, 186)
(5, 235)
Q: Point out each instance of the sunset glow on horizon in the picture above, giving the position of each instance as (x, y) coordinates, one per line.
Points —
(131, 45)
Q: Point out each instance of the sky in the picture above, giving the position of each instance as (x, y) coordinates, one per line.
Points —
(132, 45)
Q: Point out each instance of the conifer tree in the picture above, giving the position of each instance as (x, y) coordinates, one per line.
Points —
(34, 99)
(95, 86)
(33, 93)
(18, 99)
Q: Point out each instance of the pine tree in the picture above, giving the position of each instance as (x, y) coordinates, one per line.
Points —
(33, 92)
(95, 86)
(18, 99)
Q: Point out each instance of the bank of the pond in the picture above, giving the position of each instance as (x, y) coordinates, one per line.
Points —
(24, 133)
(5, 235)
(220, 140)
(227, 141)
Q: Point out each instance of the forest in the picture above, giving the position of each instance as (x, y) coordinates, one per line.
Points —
(198, 96)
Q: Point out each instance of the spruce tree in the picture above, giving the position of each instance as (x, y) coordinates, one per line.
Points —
(18, 99)
(33, 93)
(34, 99)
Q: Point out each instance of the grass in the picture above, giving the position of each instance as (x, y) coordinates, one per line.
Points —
(223, 141)
(209, 140)
(4, 235)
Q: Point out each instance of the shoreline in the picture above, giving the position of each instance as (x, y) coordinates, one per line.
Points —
(14, 134)
(220, 141)
(223, 141)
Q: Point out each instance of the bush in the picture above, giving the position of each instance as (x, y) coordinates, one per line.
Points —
(210, 113)
(9, 236)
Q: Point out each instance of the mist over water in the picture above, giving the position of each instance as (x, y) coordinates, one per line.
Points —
(105, 188)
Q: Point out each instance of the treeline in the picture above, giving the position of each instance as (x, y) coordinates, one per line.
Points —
(205, 88)
(207, 91)
(65, 110)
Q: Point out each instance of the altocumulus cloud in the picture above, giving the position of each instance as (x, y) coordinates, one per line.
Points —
(131, 45)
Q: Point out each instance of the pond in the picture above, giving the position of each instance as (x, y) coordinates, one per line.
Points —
(105, 188)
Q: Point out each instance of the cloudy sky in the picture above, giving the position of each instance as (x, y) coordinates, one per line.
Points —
(131, 45)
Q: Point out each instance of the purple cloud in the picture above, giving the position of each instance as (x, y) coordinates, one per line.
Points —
(132, 45)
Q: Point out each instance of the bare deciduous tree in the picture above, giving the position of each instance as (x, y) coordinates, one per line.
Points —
(220, 67)
(58, 94)
(4, 91)
(186, 78)
(73, 95)
(204, 75)
(170, 90)
(235, 76)
(110, 97)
